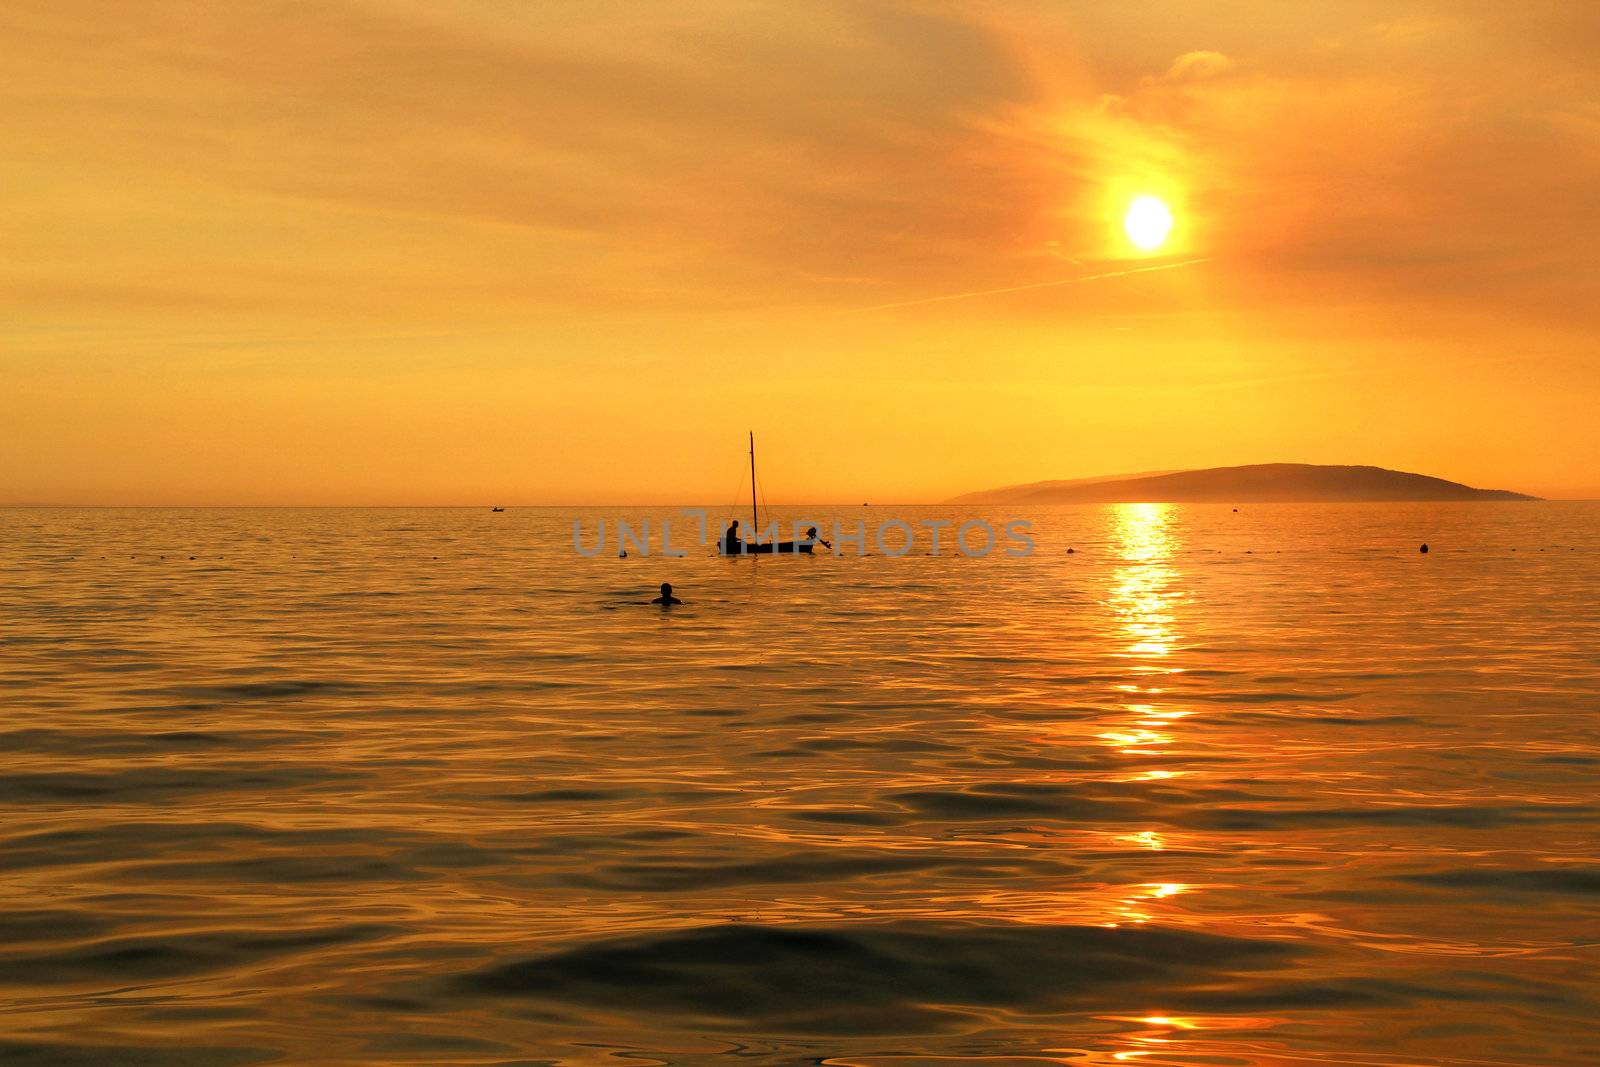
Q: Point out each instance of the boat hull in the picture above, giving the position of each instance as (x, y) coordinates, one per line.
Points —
(768, 548)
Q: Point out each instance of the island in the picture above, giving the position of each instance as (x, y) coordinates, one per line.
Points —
(1256, 483)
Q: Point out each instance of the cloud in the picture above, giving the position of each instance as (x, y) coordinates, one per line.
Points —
(1197, 66)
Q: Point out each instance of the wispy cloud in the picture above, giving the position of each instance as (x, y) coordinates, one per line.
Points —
(1056, 283)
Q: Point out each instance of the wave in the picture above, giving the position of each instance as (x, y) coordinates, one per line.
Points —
(875, 977)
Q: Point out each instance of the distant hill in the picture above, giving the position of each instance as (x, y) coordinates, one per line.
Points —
(1257, 483)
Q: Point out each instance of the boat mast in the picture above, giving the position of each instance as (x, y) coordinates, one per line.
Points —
(755, 518)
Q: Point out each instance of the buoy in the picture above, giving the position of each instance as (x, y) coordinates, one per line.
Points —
(1423, 550)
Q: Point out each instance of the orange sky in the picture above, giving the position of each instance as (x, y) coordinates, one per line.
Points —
(471, 251)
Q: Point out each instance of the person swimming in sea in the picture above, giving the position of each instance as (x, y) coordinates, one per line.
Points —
(666, 599)
(732, 543)
(811, 535)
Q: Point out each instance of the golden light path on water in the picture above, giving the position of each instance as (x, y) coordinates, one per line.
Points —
(1144, 588)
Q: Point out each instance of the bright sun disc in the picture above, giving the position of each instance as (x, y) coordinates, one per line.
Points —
(1148, 222)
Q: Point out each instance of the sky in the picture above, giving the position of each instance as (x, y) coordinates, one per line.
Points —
(483, 251)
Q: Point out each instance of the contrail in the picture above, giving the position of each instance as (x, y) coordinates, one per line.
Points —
(1021, 288)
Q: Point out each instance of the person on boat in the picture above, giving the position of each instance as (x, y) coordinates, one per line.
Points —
(666, 599)
(811, 536)
(732, 543)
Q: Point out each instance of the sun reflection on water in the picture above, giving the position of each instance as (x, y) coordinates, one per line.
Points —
(1163, 1035)
(1148, 839)
(1145, 589)
(1133, 903)
(1142, 591)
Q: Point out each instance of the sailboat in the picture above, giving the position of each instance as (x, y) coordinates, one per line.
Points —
(763, 548)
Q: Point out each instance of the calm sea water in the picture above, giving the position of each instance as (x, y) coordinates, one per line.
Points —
(1264, 787)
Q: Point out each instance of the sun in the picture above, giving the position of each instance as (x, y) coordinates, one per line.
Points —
(1148, 222)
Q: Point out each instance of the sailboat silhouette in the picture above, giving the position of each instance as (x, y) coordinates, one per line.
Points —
(759, 547)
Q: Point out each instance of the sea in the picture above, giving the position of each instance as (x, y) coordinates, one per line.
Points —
(1187, 785)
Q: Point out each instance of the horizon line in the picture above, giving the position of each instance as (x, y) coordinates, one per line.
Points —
(811, 504)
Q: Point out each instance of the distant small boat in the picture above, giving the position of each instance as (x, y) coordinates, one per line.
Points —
(766, 548)
(497, 509)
